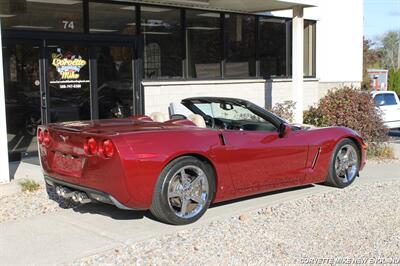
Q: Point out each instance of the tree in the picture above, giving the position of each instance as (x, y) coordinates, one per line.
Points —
(390, 50)
(394, 80)
(391, 79)
(371, 59)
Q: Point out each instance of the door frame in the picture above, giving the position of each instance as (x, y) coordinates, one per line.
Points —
(91, 41)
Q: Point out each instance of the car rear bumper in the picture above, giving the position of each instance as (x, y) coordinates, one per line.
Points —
(93, 194)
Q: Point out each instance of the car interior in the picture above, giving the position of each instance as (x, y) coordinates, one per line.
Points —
(217, 115)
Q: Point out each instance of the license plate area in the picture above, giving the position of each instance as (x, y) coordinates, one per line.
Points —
(67, 164)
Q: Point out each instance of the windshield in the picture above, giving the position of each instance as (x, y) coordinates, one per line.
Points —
(233, 114)
(384, 99)
(228, 111)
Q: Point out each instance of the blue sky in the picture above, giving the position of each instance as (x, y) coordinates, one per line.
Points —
(380, 16)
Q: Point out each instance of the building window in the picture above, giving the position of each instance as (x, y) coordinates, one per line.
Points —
(273, 49)
(309, 48)
(161, 29)
(49, 15)
(240, 39)
(112, 18)
(203, 44)
(152, 60)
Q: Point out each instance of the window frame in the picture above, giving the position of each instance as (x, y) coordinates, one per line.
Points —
(314, 48)
(183, 21)
(185, 76)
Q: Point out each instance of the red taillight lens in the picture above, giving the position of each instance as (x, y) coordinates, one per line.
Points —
(108, 148)
(91, 146)
(46, 137)
(40, 136)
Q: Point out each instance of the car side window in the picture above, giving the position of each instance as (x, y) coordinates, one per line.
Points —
(235, 117)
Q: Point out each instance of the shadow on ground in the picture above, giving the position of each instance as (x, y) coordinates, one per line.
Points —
(119, 214)
(96, 208)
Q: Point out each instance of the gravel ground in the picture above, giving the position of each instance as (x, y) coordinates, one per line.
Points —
(29, 204)
(360, 222)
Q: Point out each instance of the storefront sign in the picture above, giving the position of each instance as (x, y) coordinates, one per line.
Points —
(68, 65)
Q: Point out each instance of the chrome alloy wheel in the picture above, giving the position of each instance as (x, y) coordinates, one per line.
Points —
(188, 191)
(346, 163)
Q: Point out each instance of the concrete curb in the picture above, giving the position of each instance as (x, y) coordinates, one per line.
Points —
(21, 171)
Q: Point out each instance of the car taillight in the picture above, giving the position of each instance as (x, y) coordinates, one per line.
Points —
(90, 146)
(40, 136)
(46, 137)
(107, 148)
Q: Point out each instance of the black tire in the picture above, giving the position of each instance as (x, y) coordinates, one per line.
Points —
(160, 207)
(332, 178)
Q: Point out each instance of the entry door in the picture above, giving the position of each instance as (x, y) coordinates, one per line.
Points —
(69, 84)
(114, 81)
(22, 96)
(91, 80)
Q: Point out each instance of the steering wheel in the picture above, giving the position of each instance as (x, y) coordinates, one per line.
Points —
(209, 121)
(220, 124)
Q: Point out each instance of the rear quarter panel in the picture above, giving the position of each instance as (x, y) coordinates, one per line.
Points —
(144, 154)
(104, 174)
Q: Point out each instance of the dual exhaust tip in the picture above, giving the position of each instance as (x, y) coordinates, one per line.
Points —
(76, 196)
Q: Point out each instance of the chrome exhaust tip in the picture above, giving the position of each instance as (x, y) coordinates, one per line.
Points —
(58, 191)
(63, 192)
(83, 198)
(75, 196)
(67, 193)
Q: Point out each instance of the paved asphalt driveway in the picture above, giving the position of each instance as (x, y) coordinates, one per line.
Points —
(67, 235)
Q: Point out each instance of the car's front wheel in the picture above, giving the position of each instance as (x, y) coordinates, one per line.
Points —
(183, 191)
(344, 164)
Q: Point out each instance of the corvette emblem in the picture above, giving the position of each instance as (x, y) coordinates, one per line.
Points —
(64, 138)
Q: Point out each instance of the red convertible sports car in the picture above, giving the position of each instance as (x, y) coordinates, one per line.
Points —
(228, 148)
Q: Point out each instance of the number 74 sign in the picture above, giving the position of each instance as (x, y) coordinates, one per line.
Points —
(68, 24)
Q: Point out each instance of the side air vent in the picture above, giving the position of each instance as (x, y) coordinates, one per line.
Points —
(316, 157)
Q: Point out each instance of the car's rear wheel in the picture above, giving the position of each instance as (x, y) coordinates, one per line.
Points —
(344, 164)
(183, 191)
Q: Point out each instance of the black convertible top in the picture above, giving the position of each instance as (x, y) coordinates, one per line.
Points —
(217, 100)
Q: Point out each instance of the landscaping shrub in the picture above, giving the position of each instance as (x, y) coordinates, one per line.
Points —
(29, 185)
(351, 108)
(382, 151)
(284, 110)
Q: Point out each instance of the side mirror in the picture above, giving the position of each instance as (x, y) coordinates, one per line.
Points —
(283, 130)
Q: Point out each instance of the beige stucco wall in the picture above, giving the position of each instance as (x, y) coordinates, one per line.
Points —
(158, 95)
(324, 87)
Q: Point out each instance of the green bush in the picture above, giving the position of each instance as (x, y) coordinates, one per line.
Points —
(284, 110)
(29, 185)
(381, 151)
(351, 108)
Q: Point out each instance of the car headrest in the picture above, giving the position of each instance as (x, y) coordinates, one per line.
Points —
(158, 117)
(198, 120)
